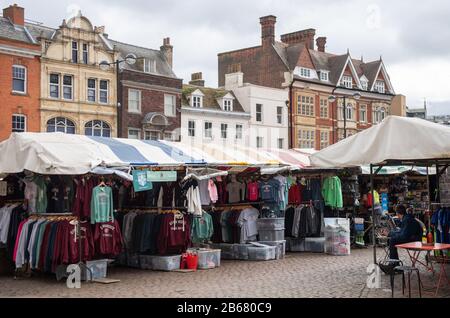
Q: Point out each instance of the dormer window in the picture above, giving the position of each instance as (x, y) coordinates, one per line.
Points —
(364, 85)
(347, 81)
(324, 76)
(149, 66)
(379, 87)
(305, 72)
(228, 105)
(197, 101)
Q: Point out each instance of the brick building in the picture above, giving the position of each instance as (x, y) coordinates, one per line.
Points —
(19, 75)
(312, 76)
(150, 93)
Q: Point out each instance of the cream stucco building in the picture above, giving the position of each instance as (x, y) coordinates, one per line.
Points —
(76, 95)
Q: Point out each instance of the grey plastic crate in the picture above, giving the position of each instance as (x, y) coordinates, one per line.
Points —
(227, 250)
(241, 251)
(270, 224)
(97, 269)
(256, 253)
(271, 235)
(146, 261)
(281, 247)
(166, 263)
(207, 258)
(295, 244)
(315, 244)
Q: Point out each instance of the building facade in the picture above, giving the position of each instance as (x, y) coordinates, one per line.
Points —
(77, 96)
(149, 93)
(212, 115)
(19, 74)
(312, 76)
(268, 107)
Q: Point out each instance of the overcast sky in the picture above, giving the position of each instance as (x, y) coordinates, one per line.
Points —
(413, 37)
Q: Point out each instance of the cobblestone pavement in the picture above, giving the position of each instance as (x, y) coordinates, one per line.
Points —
(298, 275)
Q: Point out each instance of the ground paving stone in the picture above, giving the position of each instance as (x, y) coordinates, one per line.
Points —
(297, 275)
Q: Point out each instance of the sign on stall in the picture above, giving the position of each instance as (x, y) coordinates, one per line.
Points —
(141, 181)
(162, 176)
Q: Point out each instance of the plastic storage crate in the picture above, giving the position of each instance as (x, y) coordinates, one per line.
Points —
(146, 261)
(166, 263)
(315, 244)
(295, 244)
(98, 269)
(271, 235)
(133, 260)
(227, 251)
(265, 253)
(207, 258)
(270, 224)
(281, 247)
(241, 251)
(337, 236)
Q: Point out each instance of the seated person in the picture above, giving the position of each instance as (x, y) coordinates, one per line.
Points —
(409, 231)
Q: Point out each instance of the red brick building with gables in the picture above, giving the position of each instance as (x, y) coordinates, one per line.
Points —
(300, 63)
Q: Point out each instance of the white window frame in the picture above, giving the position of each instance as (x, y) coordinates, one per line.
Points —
(53, 84)
(168, 136)
(324, 76)
(191, 128)
(228, 104)
(91, 89)
(279, 115)
(24, 122)
(197, 101)
(138, 101)
(63, 122)
(149, 66)
(306, 105)
(349, 113)
(24, 79)
(76, 50)
(347, 81)
(363, 110)
(239, 131)
(170, 109)
(259, 142)
(260, 113)
(324, 139)
(307, 138)
(380, 87)
(134, 129)
(149, 133)
(85, 57)
(305, 72)
(223, 131)
(100, 90)
(207, 133)
(104, 126)
(324, 108)
(365, 85)
(67, 86)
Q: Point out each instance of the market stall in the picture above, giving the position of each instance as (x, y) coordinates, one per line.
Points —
(396, 141)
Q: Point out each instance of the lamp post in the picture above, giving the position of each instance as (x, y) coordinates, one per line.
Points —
(130, 59)
(334, 98)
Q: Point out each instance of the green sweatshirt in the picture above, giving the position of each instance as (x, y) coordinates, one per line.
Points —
(332, 192)
(41, 196)
(102, 205)
(202, 228)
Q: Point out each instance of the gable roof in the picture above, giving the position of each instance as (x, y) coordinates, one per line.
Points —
(371, 71)
(162, 66)
(210, 97)
(40, 31)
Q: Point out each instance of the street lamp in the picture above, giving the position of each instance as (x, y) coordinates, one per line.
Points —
(334, 98)
(130, 59)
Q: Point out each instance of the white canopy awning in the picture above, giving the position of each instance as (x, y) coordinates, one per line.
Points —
(395, 139)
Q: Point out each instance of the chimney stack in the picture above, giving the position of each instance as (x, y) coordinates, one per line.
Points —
(268, 30)
(15, 13)
(321, 42)
(167, 50)
(197, 79)
(303, 36)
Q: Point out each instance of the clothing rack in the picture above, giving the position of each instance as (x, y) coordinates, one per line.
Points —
(228, 205)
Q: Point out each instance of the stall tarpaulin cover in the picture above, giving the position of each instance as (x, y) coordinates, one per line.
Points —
(66, 154)
(396, 138)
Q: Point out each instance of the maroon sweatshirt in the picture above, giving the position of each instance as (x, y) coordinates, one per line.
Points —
(108, 238)
(175, 235)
